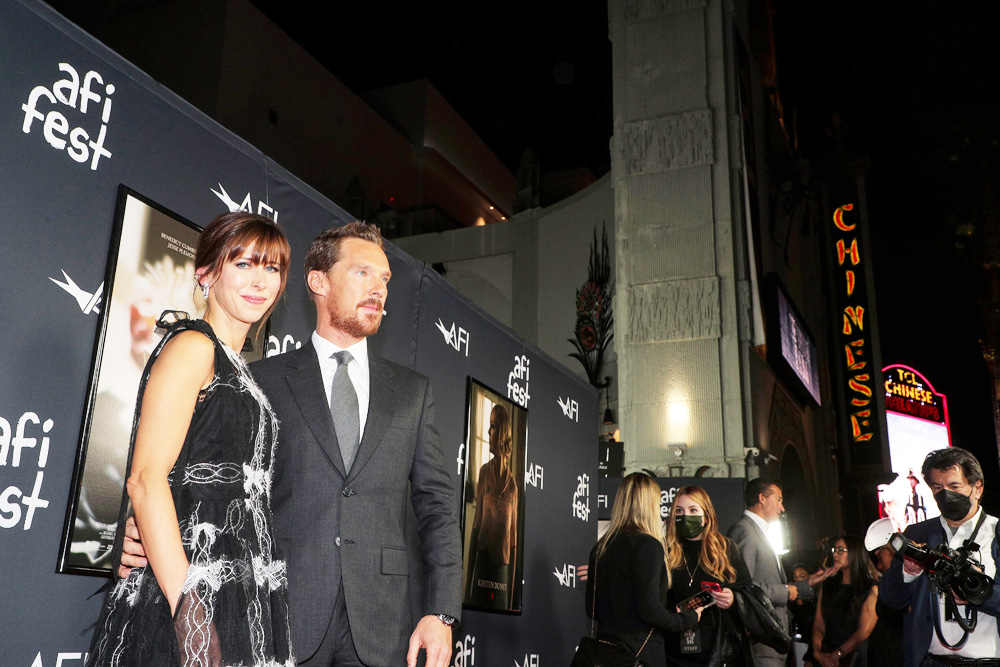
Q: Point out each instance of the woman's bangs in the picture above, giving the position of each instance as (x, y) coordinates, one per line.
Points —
(268, 243)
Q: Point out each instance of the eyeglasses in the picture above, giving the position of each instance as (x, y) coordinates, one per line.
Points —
(838, 550)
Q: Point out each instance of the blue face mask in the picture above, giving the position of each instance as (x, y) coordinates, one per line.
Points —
(690, 526)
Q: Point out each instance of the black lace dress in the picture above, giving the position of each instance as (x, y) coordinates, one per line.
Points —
(232, 609)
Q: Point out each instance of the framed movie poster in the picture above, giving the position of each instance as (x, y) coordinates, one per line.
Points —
(493, 507)
(150, 270)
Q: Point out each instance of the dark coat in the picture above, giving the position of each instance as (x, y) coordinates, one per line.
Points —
(338, 528)
(915, 597)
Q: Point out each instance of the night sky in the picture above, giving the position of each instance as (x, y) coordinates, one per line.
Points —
(521, 73)
(915, 84)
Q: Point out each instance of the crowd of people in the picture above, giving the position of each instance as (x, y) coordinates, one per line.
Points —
(266, 504)
(923, 598)
(245, 547)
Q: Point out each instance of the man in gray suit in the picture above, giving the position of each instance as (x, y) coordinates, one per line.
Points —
(764, 505)
(339, 508)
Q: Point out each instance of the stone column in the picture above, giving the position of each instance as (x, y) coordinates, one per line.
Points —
(677, 279)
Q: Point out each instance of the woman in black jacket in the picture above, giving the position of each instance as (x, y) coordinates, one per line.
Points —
(700, 556)
(628, 571)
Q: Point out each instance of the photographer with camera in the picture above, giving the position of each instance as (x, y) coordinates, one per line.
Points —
(938, 574)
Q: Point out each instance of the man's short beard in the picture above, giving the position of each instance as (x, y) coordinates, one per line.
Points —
(352, 325)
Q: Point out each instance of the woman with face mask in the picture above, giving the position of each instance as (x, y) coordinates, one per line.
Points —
(701, 558)
(628, 579)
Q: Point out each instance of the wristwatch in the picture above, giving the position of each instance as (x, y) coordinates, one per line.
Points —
(447, 620)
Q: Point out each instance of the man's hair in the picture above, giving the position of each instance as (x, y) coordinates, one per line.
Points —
(951, 457)
(755, 487)
(324, 251)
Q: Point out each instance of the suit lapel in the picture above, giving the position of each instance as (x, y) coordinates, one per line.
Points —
(380, 402)
(306, 384)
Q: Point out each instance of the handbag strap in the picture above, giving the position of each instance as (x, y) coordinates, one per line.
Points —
(604, 641)
(593, 617)
(593, 602)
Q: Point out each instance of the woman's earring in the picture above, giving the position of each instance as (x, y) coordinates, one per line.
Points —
(204, 291)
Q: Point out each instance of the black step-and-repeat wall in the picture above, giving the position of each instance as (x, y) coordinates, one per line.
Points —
(75, 122)
(726, 494)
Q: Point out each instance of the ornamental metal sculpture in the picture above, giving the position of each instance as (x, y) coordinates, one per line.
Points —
(594, 319)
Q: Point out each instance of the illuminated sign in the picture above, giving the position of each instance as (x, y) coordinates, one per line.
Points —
(854, 339)
(917, 419)
(797, 347)
(909, 393)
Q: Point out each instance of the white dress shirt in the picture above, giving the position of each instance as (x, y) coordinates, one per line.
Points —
(983, 642)
(357, 370)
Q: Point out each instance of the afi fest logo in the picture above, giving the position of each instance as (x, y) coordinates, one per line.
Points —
(11, 449)
(276, 347)
(62, 660)
(530, 660)
(88, 301)
(534, 475)
(245, 205)
(465, 652)
(567, 577)
(570, 408)
(581, 499)
(455, 336)
(515, 391)
(667, 501)
(83, 102)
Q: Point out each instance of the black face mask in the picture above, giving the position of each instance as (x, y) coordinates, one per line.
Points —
(954, 506)
(690, 526)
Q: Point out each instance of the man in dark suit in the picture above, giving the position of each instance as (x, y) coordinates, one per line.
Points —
(341, 524)
(764, 505)
(956, 479)
(340, 502)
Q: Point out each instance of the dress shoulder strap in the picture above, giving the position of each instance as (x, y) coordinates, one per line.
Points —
(169, 324)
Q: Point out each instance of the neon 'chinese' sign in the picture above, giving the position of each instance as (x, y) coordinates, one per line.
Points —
(853, 339)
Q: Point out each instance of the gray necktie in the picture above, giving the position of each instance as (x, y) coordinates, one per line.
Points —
(344, 408)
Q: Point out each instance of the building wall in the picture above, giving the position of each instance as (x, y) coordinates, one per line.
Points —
(678, 266)
(229, 60)
(525, 272)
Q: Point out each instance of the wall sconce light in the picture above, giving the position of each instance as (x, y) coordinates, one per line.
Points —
(609, 416)
(677, 448)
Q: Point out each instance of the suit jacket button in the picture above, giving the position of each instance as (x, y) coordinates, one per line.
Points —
(348, 492)
(337, 540)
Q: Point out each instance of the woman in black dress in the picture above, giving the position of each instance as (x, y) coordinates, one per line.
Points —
(697, 553)
(199, 477)
(629, 577)
(845, 608)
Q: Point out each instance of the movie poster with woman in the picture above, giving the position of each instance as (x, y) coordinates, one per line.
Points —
(493, 508)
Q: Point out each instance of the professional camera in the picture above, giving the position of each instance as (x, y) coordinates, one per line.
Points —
(951, 570)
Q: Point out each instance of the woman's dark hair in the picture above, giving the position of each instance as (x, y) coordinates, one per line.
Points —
(229, 235)
(861, 579)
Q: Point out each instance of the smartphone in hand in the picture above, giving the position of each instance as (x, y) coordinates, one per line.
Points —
(702, 599)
